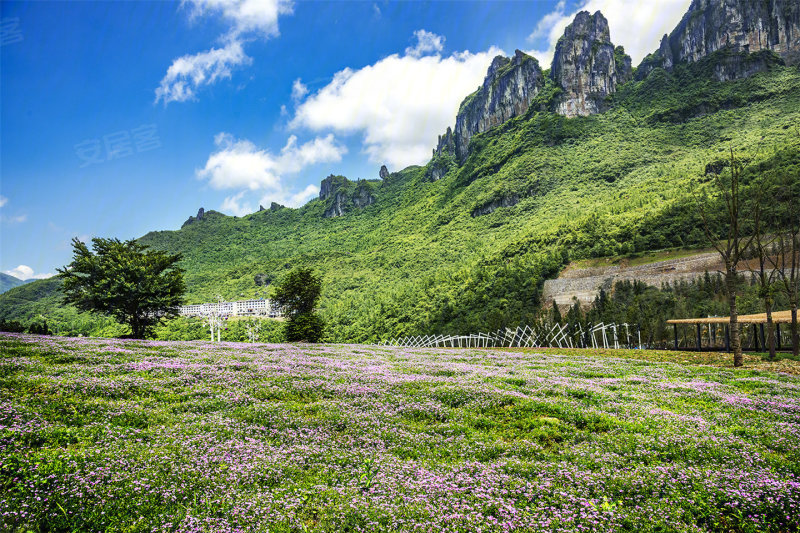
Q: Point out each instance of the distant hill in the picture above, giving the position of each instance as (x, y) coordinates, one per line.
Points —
(589, 158)
(9, 282)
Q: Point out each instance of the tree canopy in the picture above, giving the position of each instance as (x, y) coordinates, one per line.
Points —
(298, 295)
(137, 286)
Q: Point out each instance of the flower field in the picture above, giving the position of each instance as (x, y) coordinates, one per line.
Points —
(121, 435)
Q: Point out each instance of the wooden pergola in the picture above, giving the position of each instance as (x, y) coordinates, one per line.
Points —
(757, 321)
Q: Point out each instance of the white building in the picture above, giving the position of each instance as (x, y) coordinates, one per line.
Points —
(240, 308)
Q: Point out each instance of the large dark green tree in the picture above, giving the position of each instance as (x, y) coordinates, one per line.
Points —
(297, 295)
(126, 280)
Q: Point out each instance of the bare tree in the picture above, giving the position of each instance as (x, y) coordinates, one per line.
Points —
(732, 245)
(762, 242)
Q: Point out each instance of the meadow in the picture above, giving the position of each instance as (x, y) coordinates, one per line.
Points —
(124, 435)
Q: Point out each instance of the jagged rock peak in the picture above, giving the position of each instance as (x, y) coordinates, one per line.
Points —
(274, 206)
(507, 91)
(586, 65)
(330, 185)
(200, 214)
(588, 27)
(497, 63)
(742, 26)
(384, 172)
(261, 208)
(446, 144)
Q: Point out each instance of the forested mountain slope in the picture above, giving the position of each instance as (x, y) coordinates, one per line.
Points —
(466, 242)
(9, 282)
(424, 257)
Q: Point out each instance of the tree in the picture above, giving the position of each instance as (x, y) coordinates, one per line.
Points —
(764, 275)
(555, 314)
(732, 245)
(297, 295)
(137, 286)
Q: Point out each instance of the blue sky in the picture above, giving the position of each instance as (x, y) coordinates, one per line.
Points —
(119, 118)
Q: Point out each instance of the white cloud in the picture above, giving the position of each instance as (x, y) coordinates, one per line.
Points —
(3, 200)
(190, 72)
(427, 42)
(13, 219)
(636, 25)
(400, 104)
(233, 205)
(246, 18)
(24, 272)
(299, 90)
(241, 164)
(290, 199)
(546, 23)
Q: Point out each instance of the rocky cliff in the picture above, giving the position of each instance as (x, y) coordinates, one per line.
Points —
(587, 66)
(507, 91)
(739, 26)
(342, 195)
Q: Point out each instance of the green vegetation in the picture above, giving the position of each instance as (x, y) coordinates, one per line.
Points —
(417, 261)
(125, 280)
(139, 436)
(650, 307)
(297, 296)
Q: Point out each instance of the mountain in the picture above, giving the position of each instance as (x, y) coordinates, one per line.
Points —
(590, 158)
(9, 282)
(740, 28)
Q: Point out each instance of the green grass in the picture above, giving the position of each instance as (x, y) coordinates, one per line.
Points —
(116, 435)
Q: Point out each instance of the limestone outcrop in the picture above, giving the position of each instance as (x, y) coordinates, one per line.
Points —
(362, 196)
(586, 66)
(331, 184)
(741, 27)
(507, 91)
(200, 214)
(490, 207)
(342, 195)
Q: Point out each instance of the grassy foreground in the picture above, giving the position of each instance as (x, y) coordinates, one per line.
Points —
(784, 362)
(116, 435)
